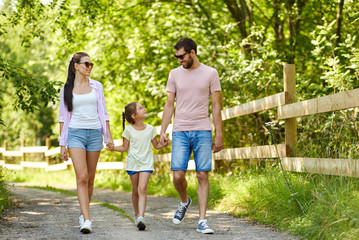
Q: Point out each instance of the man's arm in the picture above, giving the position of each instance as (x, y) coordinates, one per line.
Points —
(217, 120)
(166, 117)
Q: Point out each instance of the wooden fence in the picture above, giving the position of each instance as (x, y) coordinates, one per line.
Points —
(288, 110)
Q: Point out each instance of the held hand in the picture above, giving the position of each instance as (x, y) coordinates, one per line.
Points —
(217, 144)
(63, 153)
(110, 144)
(164, 139)
(111, 148)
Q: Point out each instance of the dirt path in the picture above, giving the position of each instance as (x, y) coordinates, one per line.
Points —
(49, 215)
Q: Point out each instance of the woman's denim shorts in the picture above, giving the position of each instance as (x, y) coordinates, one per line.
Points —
(88, 139)
(183, 143)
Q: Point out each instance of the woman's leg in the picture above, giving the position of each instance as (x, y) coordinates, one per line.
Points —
(92, 159)
(134, 181)
(78, 156)
(142, 192)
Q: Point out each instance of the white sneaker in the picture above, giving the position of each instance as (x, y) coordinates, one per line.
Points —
(81, 220)
(135, 218)
(141, 223)
(86, 227)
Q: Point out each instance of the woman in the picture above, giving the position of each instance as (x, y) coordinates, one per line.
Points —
(83, 121)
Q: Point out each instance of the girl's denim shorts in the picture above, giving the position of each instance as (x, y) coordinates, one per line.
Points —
(88, 139)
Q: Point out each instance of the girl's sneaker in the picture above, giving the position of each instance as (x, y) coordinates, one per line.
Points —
(86, 227)
(140, 222)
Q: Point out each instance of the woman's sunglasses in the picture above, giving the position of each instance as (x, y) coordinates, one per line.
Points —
(88, 64)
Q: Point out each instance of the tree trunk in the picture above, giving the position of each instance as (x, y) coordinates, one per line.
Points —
(294, 26)
(339, 21)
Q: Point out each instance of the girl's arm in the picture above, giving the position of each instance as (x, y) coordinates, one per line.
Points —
(123, 147)
(158, 145)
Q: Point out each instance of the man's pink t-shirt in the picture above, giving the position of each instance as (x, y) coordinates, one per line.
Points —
(193, 89)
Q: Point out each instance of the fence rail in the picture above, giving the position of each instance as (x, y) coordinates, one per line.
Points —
(287, 109)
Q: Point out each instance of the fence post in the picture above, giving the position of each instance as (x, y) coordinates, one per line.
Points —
(5, 148)
(290, 123)
(48, 145)
(23, 143)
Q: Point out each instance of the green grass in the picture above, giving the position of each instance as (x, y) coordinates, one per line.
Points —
(5, 194)
(310, 206)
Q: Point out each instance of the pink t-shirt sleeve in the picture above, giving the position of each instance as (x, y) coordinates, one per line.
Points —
(215, 85)
(171, 86)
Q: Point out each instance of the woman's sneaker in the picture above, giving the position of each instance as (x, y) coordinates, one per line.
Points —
(204, 228)
(86, 227)
(140, 222)
(81, 220)
(181, 212)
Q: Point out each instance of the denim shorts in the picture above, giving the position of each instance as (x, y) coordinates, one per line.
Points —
(88, 139)
(183, 143)
(134, 172)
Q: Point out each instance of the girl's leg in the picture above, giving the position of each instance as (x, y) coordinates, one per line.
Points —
(78, 156)
(144, 177)
(134, 181)
(92, 159)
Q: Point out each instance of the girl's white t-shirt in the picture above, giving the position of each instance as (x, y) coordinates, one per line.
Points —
(84, 113)
(140, 155)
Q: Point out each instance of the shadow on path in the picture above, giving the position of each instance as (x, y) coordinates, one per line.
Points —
(49, 215)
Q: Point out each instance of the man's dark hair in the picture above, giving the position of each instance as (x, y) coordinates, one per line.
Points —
(187, 44)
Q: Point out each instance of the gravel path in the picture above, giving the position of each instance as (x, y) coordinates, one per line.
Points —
(49, 215)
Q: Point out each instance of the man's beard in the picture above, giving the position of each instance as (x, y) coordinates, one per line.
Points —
(189, 63)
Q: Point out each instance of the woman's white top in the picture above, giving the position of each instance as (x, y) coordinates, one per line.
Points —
(84, 112)
(140, 155)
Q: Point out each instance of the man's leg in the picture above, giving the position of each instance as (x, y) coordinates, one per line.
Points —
(202, 193)
(180, 183)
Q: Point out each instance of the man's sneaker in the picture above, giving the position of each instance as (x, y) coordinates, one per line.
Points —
(204, 228)
(181, 212)
(86, 227)
(81, 220)
(140, 223)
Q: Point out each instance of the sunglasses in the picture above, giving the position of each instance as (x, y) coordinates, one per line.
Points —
(88, 64)
(180, 56)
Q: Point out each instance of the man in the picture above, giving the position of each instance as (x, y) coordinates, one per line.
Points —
(191, 86)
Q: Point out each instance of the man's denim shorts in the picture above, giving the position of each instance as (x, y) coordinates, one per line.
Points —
(183, 143)
(88, 139)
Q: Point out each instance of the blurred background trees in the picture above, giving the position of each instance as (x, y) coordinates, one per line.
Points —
(131, 44)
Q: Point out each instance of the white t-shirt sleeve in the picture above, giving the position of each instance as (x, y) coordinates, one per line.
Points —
(126, 134)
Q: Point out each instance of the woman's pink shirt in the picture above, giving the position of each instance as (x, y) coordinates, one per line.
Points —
(65, 115)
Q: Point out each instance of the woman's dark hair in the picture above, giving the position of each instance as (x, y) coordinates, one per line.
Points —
(69, 85)
(187, 44)
(130, 109)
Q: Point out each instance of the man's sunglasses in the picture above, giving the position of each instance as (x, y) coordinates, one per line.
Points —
(88, 64)
(180, 56)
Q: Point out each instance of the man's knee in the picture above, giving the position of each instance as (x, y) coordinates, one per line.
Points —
(179, 176)
(202, 176)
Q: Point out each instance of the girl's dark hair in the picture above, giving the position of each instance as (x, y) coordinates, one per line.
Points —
(69, 85)
(130, 109)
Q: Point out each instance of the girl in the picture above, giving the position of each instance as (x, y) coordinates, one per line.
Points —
(137, 138)
(83, 121)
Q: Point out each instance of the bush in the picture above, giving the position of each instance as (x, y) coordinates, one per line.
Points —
(4, 191)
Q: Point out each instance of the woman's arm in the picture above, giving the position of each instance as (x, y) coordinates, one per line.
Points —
(63, 150)
(109, 142)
